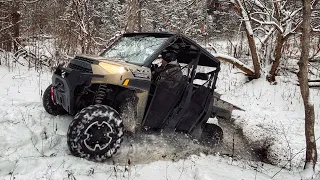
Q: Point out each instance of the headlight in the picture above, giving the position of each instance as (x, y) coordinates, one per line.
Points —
(114, 69)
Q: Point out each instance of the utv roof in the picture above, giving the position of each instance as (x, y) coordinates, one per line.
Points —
(206, 58)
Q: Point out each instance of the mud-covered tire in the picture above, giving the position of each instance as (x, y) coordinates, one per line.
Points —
(49, 106)
(95, 133)
(212, 133)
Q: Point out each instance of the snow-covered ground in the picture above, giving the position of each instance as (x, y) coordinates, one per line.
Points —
(33, 143)
(273, 116)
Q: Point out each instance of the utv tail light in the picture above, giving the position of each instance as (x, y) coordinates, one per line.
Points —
(52, 95)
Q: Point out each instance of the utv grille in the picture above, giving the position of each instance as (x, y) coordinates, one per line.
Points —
(91, 61)
(80, 68)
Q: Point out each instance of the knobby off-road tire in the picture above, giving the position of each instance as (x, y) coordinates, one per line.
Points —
(49, 106)
(95, 133)
(212, 134)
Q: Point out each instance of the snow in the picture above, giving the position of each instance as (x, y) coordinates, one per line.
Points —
(308, 172)
(273, 116)
(195, 167)
(33, 143)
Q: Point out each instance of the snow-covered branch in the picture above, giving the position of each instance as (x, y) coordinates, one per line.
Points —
(315, 30)
(259, 4)
(290, 15)
(267, 36)
(270, 23)
(5, 28)
(244, 15)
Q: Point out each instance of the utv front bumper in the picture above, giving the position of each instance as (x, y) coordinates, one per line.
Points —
(65, 82)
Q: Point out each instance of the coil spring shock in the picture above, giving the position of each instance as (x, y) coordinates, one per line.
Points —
(101, 93)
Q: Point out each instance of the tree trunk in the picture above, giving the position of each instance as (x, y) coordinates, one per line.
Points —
(132, 16)
(277, 56)
(311, 148)
(5, 38)
(139, 16)
(236, 63)
(252, 44)
(15, 14)
(254, 55)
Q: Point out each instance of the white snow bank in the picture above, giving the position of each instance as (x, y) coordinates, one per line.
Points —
(193, 168)
(274, 116)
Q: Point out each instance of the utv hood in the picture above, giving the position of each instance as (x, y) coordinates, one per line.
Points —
(97, 59)
(102, 65)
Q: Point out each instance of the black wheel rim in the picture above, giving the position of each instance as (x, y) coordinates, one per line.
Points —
(98, 136)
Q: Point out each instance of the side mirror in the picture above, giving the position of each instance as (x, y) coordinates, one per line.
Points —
(202, 76)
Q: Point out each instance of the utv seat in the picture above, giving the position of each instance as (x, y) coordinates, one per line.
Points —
(164, 99)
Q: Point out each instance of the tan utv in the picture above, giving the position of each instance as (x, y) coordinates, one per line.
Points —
(116, 92)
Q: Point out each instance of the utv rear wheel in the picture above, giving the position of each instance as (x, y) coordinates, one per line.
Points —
(212, 134)
(49, 106)
(95, 133)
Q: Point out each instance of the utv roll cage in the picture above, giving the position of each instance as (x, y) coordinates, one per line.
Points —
(174, 41)
(187, 107)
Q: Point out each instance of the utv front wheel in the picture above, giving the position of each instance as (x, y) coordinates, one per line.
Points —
(49, 105)
(95, 133)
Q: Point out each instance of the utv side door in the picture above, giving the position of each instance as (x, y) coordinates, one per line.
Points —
(195, 107)
(163, 100)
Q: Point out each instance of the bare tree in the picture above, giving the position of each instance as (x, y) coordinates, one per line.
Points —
(248, 28)
(10, 24)
(15, 15)
(134, 16)
(5, 41)
(311, 148)
(90, 24)
(281, 19)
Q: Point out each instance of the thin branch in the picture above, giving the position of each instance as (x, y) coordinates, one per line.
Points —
(267, 36)
(315, 30)
(6, 28)
(269, 23)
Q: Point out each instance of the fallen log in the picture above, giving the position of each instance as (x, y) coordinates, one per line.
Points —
(232, 60)
(317, 80)
(222, 108)
(222, 57)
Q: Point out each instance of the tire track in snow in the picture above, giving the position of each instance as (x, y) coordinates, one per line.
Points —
(28, 131)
